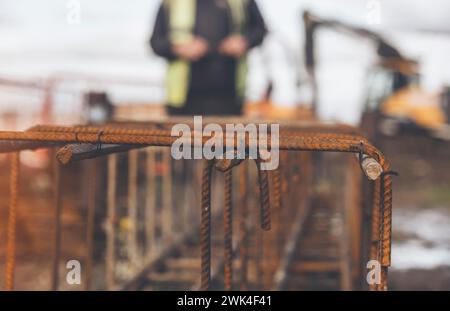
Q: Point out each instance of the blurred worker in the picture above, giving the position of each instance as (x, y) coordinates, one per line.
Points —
(206, 43)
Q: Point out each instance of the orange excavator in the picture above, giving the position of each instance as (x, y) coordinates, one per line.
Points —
(394, 100)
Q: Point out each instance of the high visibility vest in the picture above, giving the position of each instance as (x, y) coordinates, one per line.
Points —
(182, 17)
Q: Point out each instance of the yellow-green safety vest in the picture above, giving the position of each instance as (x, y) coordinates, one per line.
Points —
(182, 15)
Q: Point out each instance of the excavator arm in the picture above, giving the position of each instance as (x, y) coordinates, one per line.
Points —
(388, 54)
(312, 23)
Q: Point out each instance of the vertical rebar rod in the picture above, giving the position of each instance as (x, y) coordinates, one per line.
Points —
(205, 226)
(376, 222)
(57, 205)
(228, 231)
(150, 209)
(92, 189)
(286, 186)
(167, 206)
(12, 219)
(343, 243)
(345, 265)
(355, 218)
(386, 225)
(258, 241)
(111, 221)
(132, 208)
(277, 188)
(243, 224)
(263, 182)
(179, 201)
(375, 227)
(383, 286)
(159, 171)
(277, 231)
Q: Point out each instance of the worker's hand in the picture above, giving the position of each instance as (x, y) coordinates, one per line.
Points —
(192, 51)
(235, 46)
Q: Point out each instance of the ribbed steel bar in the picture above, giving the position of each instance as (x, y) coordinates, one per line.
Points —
(165, 128)
(12, 222)
(167, 212)
(118, 137)
(243, 225)
(386, 224)
(150, 206)
(90, 225)
(228, 230)
(205, 226)
(263, 182)
(132, 209)
(111, 221)
(77, 152)
(57, 205)
(301, 143)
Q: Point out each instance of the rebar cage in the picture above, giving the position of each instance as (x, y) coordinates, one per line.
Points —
(150, 221)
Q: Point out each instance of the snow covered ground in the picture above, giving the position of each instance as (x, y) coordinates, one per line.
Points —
(426, 242)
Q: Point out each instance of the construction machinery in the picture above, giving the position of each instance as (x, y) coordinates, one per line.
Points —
(394, 100)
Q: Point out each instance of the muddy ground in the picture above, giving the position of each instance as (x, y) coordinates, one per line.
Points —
(421, 219)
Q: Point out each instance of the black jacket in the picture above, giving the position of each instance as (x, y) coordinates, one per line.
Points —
(214, 73)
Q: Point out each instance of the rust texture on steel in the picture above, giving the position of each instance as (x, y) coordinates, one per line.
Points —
(12, 222)
(243, 225)
(111, 222)
(228, 230)
(205, 228)
(91, 204)
(282, 198)
(264, 196)
(57, 197)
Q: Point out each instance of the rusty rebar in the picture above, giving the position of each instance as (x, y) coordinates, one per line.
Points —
(12, 222)
(383, 286)
(264, 196)
(375, 227)
(164, 129)
(291, 139)
(376, 223)
(77, 152)
(167, 212)
(243, 225)
(111, 221)
(300, 142)
(132, 206)
(57, 205)
(150, 206)
(205, 226)
(228, 230)
(274, 248)
(386, 226)
(277, 197)
(90, 226)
